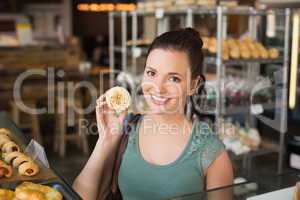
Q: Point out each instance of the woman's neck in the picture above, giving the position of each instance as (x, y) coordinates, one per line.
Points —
(174, 122)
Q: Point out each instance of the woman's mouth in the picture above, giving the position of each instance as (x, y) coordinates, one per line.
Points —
(159, 100)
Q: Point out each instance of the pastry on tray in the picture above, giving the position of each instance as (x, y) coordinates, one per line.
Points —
(10, 146)
(3, 140)
(16, 158)
(4, 131)
(273, 53)
(32, 191)
(28, 169)
(26, 166)
(7, 194)
(5, 170)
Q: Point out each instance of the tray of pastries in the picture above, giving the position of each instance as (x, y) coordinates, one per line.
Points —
(245, 48)
(26, 190)
(15, 164)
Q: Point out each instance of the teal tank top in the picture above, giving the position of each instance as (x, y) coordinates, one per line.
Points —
(141, 180)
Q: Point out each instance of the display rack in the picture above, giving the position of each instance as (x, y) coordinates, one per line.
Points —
(221, 14)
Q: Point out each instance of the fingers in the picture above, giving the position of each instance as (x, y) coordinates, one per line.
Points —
(100, 118)
(101, 100)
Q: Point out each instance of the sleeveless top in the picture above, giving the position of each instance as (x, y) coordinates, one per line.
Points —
(139, 179)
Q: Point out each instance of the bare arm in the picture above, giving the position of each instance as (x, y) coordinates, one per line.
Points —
(94, 180)
(220, 174)
(95, 173)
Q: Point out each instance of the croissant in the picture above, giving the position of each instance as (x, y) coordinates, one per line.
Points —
(3, 141)
(20, 160)
(5, 170)
(4, 131)
(30, 194)
(10, 147)
(16, 158)
(28, 169)
(32, 191)
(6, 194)
(9, 157)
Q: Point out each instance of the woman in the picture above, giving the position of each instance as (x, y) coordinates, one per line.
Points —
(167, 155)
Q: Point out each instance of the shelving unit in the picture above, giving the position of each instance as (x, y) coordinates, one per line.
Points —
(221, 14)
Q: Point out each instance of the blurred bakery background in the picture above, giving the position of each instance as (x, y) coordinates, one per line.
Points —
(57, 56)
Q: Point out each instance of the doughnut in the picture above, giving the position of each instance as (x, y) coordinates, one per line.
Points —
(118, 98)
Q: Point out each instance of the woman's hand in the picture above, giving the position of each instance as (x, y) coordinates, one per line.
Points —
(108, 122)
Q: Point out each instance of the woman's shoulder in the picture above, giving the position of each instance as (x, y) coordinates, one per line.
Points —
(207, 142)
(204, 131)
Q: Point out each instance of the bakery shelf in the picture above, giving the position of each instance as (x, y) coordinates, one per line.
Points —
(213, 60)
(188, 15)
(238, 109)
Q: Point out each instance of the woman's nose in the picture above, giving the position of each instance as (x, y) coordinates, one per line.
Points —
(160, 87)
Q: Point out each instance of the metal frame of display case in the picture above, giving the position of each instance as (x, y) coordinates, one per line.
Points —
(221, 14)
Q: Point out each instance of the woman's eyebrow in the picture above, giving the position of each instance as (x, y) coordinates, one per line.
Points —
(151, 68)
(174, 73)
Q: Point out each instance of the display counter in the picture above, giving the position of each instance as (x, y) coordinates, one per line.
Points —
(277, 187)
(45, 176)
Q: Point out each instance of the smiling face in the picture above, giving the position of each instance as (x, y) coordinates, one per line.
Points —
(167, 81)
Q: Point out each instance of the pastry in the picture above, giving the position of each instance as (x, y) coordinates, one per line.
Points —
(264, 54)
(32, 191)
(20, 160)
(9, 157)
(3, 137)
(225, 54)
(30, 194)
(205, 41)
(10, 147)
(16, 158)
(6, 194)
(5, 170)
(254, 53)
(3, 141)
(234, 53)
(212, 45)
(118, 98)
(262, 50)
(4, 131)
(28, 169)
(245, 54)
(273, 53)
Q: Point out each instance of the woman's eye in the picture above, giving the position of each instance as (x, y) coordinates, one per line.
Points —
(174, 79)
(150, 73)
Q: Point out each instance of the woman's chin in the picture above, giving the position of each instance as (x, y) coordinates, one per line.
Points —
(162, 110)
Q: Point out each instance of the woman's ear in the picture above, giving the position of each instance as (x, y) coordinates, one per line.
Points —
(194, 85)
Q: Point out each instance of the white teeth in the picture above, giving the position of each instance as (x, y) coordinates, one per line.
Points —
(158, 98)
